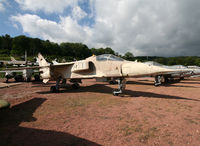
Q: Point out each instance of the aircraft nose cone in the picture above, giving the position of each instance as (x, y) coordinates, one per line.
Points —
(197, 72)
(140, 69)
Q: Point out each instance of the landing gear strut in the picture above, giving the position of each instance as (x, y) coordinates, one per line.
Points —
(63, 84)
(157, 81)
(55, 89)
(121, 87)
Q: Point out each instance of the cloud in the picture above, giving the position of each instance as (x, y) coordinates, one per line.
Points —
(2, 5)
(48, 6)
(153, 27)
(78, 13)
(65, 30)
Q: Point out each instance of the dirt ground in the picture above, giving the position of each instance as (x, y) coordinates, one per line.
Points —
(91, 115)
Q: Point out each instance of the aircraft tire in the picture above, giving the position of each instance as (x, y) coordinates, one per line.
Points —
(116, 92)
(113, 82)
(19, 78)
(156, 84)
(37, 77)
(53, 89)
(28, 79)
(75, 86)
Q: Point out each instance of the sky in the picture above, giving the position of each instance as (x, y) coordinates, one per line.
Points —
(142, 27)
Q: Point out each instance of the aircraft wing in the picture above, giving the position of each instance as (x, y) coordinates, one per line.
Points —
(4, 71)
(62, 64)
(38, 67)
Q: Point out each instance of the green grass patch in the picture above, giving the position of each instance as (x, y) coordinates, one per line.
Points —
(149, 133)
(128, 130)
(109, 102)
(2, 75)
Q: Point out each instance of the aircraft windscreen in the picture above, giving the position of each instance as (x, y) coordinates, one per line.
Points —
(153, 63)
(110, 57)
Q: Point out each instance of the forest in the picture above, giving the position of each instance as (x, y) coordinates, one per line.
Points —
(67, 51)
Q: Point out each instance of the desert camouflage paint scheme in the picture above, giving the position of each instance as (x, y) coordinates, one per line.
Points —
(101, 67)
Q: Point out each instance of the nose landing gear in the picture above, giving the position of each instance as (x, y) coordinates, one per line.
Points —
(121, 87)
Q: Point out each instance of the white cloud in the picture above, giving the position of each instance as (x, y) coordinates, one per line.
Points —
(2, 5)
(48, 6)
(66, 30)
(78, 13)
(152, 27)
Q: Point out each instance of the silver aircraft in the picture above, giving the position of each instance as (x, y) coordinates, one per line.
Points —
(100, 67)
(181, 72)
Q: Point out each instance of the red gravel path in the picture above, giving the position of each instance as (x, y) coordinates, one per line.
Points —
(91, 115)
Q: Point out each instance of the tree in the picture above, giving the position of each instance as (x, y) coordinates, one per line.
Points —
(101, 51)
(35, 46)
(128, 56)
(20, 44)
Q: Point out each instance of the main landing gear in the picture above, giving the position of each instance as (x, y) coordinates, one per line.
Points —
(55, 89)
(121, 87)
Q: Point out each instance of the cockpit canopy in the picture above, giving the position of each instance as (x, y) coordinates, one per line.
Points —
(109, 57)
(153, 63)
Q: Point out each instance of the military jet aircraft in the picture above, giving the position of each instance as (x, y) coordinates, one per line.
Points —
(13, 62)
(24, 74)
(101, 67)
(195, 70)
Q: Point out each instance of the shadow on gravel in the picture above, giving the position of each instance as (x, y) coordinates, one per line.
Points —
(100, 88)
(12, 134)
(187, 82)
(171, 84)
(40, 82)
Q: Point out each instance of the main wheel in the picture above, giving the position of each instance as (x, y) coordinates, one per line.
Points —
(18, 78)
(112, 82)
(37, 77)
(53, 89)
(28, 79)
(75, 86)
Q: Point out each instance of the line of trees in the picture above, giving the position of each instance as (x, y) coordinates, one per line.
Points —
(16, 47)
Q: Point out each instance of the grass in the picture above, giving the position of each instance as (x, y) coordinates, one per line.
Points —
(110, 102)
(132, 126)
(149, 133)
(128, 130)
(2, 75)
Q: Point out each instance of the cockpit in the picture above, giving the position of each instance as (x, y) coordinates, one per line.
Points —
(109, 57)
(153, 63)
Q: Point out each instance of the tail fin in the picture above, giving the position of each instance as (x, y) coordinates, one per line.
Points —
(45, 71)
(54, 62)
(41, 61)
(13, 59)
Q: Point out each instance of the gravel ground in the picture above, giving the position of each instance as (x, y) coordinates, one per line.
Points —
(91, 115)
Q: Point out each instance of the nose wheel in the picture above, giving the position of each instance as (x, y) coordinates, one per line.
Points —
(116, 92)
(157, 81)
